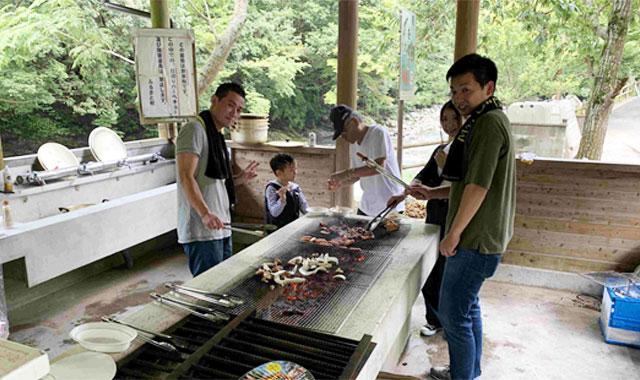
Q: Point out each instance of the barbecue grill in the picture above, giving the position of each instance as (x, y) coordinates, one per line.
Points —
(227, 351)
(372, 305)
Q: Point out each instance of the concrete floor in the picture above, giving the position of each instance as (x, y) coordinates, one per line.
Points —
(529, 332)
(116, 292)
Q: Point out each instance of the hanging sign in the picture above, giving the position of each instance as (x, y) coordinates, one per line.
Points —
(165, 74)
(407, 55)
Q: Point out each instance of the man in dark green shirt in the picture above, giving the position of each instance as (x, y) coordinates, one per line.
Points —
(481, 168)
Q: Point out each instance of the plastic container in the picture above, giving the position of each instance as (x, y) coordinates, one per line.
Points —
(8, 181)
(251, 129)
(620, 317)
(6, 213)
(103, 337)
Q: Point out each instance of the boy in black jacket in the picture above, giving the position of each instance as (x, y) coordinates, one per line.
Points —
(283, 199)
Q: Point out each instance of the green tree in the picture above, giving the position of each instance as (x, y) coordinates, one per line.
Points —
(66, 65)
(606, 85)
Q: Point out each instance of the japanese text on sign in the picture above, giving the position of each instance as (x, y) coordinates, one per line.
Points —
(165, 74)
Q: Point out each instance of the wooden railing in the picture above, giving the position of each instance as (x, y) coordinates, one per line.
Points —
(631, 89)
(419, 145)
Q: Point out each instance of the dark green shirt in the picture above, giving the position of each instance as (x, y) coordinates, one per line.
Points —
(491, 164)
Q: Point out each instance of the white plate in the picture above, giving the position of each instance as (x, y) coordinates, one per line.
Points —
(56, 156)
(103, 337)
(106, 145)
(287, 144)
(340, 210)
(317, 211)
(84, 366)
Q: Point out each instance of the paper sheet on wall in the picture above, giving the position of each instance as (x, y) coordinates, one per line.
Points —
(165, 73)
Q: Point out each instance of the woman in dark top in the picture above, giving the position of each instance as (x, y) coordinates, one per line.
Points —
(450, 121)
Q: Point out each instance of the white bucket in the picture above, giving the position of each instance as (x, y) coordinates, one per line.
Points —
(251, 129)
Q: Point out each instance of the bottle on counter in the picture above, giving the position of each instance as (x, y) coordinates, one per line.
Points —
(6, 212)
(8, 181)
(312, 139)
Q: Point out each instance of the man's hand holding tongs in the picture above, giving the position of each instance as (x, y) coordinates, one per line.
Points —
(420, 192)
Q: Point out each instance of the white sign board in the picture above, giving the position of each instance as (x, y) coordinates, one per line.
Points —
(407, 55)
(165, 74)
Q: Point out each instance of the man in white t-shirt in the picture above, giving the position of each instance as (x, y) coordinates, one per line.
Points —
(374, 142)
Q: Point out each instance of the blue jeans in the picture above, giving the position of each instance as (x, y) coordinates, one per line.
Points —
(204, 255)
(459, 310)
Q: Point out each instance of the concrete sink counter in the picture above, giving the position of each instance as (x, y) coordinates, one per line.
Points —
(142, 206)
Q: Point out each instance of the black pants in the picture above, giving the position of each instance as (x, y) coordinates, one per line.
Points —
(436, 214)
(431, 291)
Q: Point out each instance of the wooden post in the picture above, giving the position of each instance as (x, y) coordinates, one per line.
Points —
(347, 83)
(400, 122)
(1, 155)
(466, 27)
(159, 10)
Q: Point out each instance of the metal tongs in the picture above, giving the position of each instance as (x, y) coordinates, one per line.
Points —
(225, 300)
(372, 164)
(228, 226)
(172, 344)
(258, 226)
(375, 222)
(191, 308)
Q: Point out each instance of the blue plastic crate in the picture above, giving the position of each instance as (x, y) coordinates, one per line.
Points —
(620, 317)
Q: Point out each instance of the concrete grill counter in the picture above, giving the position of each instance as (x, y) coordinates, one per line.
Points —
(383, 311)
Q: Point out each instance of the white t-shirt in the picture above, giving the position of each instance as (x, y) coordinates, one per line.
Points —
(377, 189)
(445, 150)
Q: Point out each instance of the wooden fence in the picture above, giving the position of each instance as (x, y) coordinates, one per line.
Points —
(576, 216)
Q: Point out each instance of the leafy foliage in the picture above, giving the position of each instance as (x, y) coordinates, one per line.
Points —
(65, 65)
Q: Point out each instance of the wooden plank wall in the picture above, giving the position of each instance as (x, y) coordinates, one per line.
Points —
(576, 216)
(315, 165)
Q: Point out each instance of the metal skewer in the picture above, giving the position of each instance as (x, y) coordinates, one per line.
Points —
(372, 164)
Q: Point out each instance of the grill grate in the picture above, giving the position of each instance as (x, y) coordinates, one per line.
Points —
(245, 343)
(333, 300)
